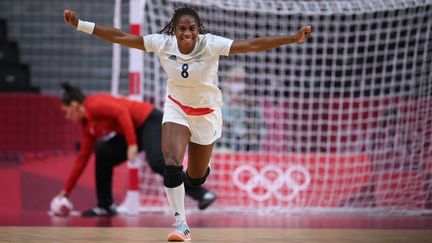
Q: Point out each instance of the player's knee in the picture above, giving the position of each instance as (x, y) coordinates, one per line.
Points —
(198, 181)
(173, 176)
(172, 161)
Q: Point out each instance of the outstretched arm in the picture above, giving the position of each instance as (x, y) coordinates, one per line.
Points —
(267, 43)
(107, 33)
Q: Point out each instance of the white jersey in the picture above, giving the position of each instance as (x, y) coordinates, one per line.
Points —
(192, 78)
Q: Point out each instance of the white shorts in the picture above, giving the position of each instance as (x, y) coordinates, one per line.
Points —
(204, 129)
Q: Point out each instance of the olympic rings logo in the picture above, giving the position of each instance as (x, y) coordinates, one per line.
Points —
(272, 187)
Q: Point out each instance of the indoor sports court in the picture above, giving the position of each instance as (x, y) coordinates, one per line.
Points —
(324, 140)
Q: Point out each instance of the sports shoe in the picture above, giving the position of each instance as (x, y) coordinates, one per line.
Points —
(206, 200)
(100, 212)
(181, 232)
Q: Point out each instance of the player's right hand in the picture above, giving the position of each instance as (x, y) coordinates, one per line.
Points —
(303, 33)
(62, 194)
(132, 152)
(70, 17)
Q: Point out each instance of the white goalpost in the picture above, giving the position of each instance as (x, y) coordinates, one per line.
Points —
(131, 203)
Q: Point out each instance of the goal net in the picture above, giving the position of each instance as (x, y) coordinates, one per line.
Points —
(340, 123)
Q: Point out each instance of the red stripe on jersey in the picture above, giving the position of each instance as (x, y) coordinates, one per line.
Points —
(190, 110)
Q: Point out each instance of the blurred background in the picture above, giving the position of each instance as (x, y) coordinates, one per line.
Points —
(341, 123)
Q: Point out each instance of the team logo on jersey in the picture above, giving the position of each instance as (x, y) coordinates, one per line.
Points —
(198, 58)
(173, 57)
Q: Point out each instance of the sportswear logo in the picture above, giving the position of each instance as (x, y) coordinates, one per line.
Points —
(176, 214)
(186, 232)
(173, 57)
(198, 58)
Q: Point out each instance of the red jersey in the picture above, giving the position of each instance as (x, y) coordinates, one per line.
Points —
(105, 114)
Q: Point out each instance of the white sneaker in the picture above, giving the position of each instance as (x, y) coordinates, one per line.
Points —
(181, 232)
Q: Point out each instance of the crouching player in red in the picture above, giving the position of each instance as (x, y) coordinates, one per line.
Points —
(116, 129)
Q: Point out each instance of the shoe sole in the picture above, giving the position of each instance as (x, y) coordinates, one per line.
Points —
(177, 236)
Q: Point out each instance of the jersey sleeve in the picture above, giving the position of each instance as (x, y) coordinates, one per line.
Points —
(154, 42)
(87, 146)
(219, 45)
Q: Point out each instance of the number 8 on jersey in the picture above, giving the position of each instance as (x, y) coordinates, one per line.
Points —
(184, 72)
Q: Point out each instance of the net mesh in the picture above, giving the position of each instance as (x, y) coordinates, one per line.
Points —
(340, 123)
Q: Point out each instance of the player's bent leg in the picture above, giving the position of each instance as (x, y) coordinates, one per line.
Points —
(198, 181)
(199, 170)
(199, 160)
(209, 197)
(109, 153)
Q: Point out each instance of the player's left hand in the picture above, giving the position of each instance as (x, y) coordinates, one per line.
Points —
(303, 33)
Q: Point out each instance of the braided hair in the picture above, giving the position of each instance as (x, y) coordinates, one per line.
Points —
(178, 13)
(71, 93)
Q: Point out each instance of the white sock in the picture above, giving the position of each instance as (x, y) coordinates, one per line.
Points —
(176, 198)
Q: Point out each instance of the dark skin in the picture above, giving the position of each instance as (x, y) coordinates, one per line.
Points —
(176, 137)
(114, 35)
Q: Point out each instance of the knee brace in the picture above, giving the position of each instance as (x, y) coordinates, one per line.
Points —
(173, 176)
(199, 181)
